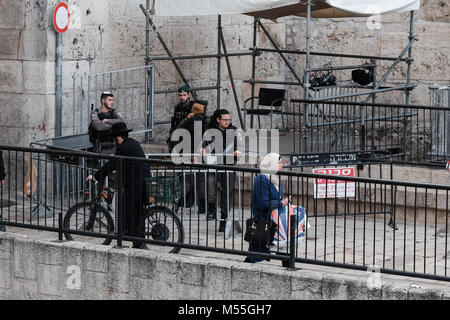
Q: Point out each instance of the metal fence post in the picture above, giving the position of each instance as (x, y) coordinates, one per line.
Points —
(292, 239)
(120, 204)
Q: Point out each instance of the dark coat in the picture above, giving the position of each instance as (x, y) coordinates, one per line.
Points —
(230, 159)
(2, 168)
(265, 198)
(134, 175)
(180, 113)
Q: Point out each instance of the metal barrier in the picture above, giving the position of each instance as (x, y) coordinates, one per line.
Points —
(407, 133)
(133, 91)
(440, 145)
(346, 226)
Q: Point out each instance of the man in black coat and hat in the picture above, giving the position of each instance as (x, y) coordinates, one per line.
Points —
(134, 175)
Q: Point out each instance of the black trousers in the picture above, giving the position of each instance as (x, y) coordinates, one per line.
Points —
(133, 220)
(218, 185)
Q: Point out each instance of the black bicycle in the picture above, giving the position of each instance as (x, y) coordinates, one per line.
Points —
(95, 218)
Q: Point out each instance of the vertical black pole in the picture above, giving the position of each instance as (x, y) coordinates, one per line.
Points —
(120, 204)
(60, 214)
(292, 239)
(255, 35)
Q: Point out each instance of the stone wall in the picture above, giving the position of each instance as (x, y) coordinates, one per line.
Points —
(31, 269)
(110, 35)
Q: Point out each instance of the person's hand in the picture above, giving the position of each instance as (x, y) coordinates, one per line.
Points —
(237, 153)
(285, 202)
(90, 177)
(203, 151)
(105, 120)
(1, 182)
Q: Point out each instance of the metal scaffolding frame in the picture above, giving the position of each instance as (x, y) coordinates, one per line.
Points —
(300, 80)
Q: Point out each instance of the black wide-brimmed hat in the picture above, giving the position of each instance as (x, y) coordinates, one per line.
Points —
(118, 128)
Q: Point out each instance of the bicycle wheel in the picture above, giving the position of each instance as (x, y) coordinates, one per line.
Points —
(78, 217)
(162, 224)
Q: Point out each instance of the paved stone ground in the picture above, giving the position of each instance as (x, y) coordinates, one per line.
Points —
(344, 239)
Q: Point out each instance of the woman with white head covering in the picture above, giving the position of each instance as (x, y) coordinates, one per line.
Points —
(267, 195)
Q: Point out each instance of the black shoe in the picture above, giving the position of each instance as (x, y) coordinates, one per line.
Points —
(201, 208)
(211, 216)
(285, 263)
(222, 226)
(2, 228)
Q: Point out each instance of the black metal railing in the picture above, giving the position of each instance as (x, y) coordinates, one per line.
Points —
(352, 222)
(406, 133)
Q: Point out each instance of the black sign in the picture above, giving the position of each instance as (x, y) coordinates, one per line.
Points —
(323, 159)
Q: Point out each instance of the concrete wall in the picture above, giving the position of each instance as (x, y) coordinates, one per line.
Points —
(110, 34)
(31, 269)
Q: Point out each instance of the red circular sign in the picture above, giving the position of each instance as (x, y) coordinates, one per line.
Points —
(61, 17)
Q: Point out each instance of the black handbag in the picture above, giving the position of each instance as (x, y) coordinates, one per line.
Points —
(259, 231)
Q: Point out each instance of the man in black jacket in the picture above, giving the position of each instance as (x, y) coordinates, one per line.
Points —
(221, 120)
(2, 180)
(181, 111)
(134, 175)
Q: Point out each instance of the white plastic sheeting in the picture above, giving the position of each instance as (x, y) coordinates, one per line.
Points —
(272, 9)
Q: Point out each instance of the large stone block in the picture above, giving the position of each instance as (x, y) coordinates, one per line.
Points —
(128, 12)
(142, 289)
(24, 290)
(96, 258)
(12, 14)
(120, 44)
(276, 284)
(37, 15)
(50, 279)
(10, 40)
(166, 279)
(306, 285)
(35, 45)
(193, 273)
(393, 292)
(423, 294)
(435, 11)
(93, 14)
(119, 270)
(94, 285)
(5, 247)
(246, 279)
(219, 281)
(25, 259)
(50, 253)
(5, 273)
(190, 292)
(81, 44)
(334, 288)
(11, 77)
(142, 265)
(39, 77)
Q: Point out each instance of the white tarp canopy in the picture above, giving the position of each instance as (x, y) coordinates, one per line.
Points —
(273, 9)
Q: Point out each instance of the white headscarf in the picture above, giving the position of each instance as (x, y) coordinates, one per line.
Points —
(269, 168)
